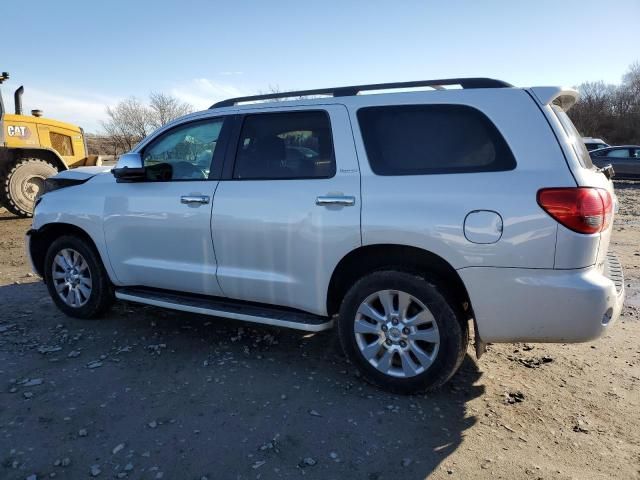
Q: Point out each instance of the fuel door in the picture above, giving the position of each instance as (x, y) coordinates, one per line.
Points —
(483, 226)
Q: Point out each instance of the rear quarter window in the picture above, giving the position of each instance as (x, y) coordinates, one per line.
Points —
(573, 137)
(432, 139)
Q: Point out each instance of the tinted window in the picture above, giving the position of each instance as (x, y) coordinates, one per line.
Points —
(285, 145)
(428, 139)
(573, 137)
(183, 153)
(618, 153)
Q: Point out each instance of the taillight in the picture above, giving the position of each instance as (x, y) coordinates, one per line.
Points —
(581, 209)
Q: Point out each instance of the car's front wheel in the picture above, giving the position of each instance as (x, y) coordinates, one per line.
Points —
(76, 278)
(401, 332)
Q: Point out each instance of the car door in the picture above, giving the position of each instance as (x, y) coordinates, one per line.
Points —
(288, 209)
(157, 230)
(620, 159)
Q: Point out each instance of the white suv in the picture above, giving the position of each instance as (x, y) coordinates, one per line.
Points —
(398, 217)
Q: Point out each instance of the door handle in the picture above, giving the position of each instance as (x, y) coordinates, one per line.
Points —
(189, 199)
(344, 200)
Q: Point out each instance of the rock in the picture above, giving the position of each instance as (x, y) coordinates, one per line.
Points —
(307, 462)
(66, 461)
(43, 349)
(258, 464)
(73, 354)
(32, 382)
(333, 455)
(152, 424)
(313, 413)
(266, 446)
(128, 467)
(83, 432)
(33, 476)
(117, 448)
(533, 362)
(580, 427)
(94, 364)
(159, 475)
(406, 462)
(27, 395)
(514, 397)
(95, 470)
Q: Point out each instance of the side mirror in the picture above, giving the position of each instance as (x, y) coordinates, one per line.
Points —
(129, 168)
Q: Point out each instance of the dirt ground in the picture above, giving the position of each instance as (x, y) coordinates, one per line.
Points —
(147, 393)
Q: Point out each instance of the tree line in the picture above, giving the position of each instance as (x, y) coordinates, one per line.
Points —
(610, 112)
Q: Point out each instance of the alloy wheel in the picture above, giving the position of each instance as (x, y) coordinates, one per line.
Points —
(396, 333)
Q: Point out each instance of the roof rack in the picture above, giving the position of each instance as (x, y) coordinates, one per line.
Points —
(355, 89)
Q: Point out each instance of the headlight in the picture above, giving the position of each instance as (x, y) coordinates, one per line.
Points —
(52, 184)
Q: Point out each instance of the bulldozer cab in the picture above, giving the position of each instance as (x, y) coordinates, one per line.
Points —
(21, 131)
(33, 148)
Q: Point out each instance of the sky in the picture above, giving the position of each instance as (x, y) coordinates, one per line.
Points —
(75, 57)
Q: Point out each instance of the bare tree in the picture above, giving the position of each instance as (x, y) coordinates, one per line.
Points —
(131, 120)
(165, 108)
(611, 112)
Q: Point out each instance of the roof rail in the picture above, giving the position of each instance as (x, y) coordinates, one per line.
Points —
(355, 89)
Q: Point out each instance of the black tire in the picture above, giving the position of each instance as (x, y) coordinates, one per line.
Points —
(101, 295)
(20, 183)
(453, 331)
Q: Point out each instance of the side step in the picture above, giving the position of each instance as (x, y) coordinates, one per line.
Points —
(227, 308)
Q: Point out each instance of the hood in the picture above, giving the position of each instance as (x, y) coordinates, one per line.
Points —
(84, 173)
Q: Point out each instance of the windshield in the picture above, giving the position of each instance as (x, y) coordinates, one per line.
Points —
(574, 138)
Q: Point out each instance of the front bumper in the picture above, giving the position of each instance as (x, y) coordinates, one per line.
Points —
(27, 246)
(540, 305)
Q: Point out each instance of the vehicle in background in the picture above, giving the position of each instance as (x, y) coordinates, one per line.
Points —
(33, 148)
(625, 160)
(398, 217)
(594, 143)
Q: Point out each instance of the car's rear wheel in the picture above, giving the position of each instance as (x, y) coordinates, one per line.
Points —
(76, 278)
(401, 332)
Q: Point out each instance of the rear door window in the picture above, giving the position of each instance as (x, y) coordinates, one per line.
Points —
(291, 145)
(432, 139)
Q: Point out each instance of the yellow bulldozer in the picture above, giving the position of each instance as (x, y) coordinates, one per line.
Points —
(33, 148)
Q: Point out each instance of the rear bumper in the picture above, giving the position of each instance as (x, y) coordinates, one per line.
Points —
(540, 305)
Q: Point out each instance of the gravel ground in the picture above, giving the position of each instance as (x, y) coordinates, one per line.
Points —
(147, 393)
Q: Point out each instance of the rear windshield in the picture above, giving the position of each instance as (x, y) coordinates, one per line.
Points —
(573, 137)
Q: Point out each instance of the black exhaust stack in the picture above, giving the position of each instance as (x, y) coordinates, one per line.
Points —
(17, 98)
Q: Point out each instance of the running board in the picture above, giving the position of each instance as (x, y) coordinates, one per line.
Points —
(236, 310)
